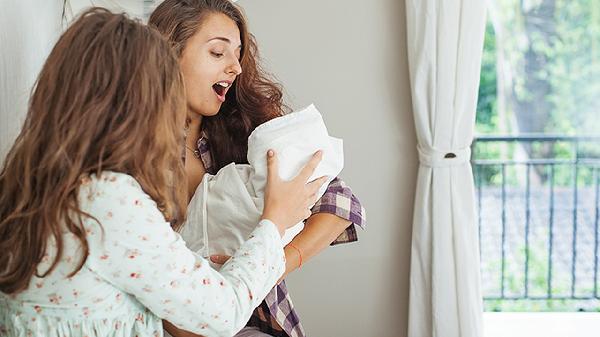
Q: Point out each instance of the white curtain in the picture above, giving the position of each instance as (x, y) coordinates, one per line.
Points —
(445, 42)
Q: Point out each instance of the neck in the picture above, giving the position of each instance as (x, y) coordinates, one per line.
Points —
(193, 132)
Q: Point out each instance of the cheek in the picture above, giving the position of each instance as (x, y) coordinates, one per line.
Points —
(194, 76)
(196, 70)
(196, 83)
(199, 76)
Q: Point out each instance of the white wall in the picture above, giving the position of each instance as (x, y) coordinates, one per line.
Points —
(134, 8)
(349, 58)
(28, 30)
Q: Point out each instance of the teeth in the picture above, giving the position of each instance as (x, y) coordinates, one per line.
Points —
(223, 84)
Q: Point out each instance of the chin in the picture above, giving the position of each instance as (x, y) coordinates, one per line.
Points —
(207, 111)
(212, 112)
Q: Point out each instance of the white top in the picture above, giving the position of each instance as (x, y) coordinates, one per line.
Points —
(139, 271)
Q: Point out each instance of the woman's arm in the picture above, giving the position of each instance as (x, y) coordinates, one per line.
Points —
(320, 230)
(133, 248)
(333, 222)
(136, 250)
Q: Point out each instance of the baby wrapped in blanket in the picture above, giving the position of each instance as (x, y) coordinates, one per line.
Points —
(227, 206)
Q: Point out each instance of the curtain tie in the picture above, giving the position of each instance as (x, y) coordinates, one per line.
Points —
(435, 158)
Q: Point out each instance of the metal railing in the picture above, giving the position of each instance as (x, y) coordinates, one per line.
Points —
(544, 215)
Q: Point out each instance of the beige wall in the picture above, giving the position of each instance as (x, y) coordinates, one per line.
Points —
(349, 58)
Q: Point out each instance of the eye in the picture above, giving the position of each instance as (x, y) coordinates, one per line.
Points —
(215, 54)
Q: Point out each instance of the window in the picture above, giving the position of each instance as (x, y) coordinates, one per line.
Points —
(536, 158)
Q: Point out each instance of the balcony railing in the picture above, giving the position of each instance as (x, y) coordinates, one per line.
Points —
(538, 214)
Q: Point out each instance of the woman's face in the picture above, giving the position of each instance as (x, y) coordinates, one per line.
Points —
(210, 63)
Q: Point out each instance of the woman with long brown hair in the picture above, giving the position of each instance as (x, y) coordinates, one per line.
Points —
(91, 191)
(229, 95)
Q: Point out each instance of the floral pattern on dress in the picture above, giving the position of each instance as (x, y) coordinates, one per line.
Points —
(138, 272)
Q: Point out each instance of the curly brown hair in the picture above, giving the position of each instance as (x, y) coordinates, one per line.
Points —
(254, 97)
(110, 97)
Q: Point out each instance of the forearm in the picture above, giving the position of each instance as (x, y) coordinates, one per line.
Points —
(319, 231)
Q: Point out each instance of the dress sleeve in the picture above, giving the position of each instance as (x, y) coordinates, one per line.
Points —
(136, 250)
(339, 200)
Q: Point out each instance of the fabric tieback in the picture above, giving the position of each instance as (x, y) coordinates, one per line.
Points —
(447, 158)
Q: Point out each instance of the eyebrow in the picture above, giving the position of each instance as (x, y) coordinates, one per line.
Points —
(224, 39)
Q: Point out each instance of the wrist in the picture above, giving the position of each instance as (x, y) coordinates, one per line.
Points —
(275, 222)
(295, 255)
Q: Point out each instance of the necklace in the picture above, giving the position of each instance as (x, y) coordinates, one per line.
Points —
(195, 152)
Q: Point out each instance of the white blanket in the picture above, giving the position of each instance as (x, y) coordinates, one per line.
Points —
(227, 206)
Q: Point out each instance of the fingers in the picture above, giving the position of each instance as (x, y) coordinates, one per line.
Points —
(310, 167)
(219, 259)
(272, 166)
(307, 214)
(312, 199)
(314, 185)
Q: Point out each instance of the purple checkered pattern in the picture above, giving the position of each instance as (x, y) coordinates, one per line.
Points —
(276, 315)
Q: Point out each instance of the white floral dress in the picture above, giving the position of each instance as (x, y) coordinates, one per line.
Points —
(139, 271)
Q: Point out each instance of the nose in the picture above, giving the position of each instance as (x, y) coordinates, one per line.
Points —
(234, 68)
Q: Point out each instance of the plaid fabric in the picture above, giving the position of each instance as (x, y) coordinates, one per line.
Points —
(339, 200)
(276, 315)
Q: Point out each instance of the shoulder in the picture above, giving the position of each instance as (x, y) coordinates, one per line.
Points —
(117, 202)
(112, 189)
(108, 181)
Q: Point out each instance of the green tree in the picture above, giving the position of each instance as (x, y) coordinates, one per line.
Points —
(548, 55)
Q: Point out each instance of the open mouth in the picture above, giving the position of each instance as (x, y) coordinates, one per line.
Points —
(221, 89)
